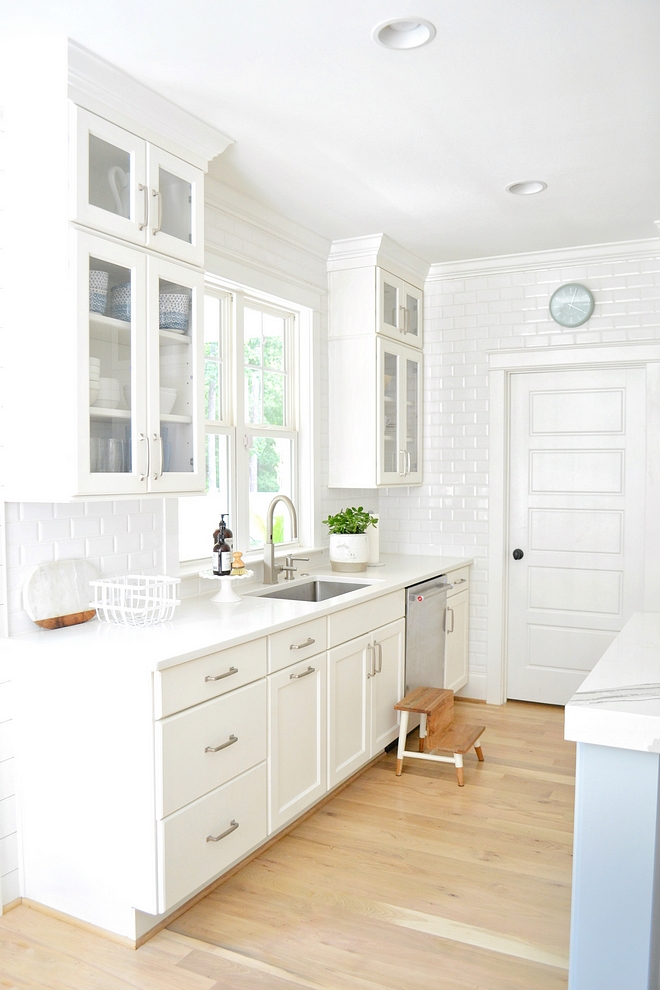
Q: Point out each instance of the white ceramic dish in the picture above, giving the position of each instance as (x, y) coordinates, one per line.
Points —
(167, 400)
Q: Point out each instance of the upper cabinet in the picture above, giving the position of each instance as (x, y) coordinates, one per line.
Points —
(398, 309)
(375, 364)
(128, 187)
(104, 274)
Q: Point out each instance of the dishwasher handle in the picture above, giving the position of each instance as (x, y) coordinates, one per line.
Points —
(432, 593)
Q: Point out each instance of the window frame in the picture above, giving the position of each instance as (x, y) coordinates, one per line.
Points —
(234, 299)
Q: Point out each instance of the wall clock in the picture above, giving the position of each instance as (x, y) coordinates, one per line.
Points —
(571, 305)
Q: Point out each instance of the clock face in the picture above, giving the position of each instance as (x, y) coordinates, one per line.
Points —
(571, 305)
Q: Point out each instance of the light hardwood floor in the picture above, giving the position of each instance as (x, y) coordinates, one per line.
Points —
(401, 883)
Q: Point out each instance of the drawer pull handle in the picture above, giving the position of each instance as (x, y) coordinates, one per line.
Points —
(294, 677)
(301, 646)
(223, 835)
(216, 749)
(227, 673)
(460, 581)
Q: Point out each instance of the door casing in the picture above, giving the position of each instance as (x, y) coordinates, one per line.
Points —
(504, 364)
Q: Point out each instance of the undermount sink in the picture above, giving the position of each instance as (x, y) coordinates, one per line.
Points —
(314, 591)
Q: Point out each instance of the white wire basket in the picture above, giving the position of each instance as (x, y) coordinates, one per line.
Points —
(134, 599)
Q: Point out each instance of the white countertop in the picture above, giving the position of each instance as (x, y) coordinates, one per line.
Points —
(200, 626)
(618, 704)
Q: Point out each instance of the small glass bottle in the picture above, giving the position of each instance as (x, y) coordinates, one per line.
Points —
(229, 536)
(221, 554)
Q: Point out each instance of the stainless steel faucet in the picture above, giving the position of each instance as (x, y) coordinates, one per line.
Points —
(271, 569)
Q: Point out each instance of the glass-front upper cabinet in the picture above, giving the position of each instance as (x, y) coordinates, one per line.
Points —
(114, 456)
(399, 309)
(125, 186)
(175, 370)
(399, 415)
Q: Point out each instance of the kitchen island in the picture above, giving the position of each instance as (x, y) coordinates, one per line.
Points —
(615, 720)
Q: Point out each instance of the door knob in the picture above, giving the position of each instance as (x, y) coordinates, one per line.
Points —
(518, 555)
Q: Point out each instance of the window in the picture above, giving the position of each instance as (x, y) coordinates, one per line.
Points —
(251, 400)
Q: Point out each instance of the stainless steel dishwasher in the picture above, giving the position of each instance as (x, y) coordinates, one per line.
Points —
(426, 605)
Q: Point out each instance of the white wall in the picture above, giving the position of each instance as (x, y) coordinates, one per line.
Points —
(472, 308)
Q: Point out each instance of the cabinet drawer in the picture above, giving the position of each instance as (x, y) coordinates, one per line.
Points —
(297, 643)
(188, 858)
(359, 619)
(460, 579)
(207, 677)
(186, 768)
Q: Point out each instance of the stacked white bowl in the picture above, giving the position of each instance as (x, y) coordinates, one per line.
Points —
(110, 393)
(94, 377)
(173, 367)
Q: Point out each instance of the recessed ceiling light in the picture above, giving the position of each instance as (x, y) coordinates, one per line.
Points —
(527, 188)
(404, 32)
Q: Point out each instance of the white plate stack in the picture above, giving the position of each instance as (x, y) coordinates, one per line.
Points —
(167, 400)
(94, 377)
(110, 393)
(173, 367)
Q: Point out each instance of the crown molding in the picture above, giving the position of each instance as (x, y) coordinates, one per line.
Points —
(506, 264)
(235, 267)
(244, 209)
(381, 251)
(108, 91)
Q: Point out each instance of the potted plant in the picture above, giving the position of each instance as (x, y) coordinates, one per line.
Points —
(349, 543)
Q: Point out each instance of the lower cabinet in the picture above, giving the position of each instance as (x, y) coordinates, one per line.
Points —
(365, 681)
(297, 739)
(208, 836)
(456, 640)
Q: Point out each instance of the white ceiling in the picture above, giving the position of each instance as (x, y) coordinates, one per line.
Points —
(349, 138)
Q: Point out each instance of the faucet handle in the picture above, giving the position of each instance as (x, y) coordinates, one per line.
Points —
(290, 558)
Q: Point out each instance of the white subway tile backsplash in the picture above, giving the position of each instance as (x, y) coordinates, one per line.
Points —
(87, 526)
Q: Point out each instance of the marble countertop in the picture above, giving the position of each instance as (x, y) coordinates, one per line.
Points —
(200, 626)
(618, 704)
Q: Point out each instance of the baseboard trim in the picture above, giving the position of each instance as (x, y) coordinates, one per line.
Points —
(10, 905)
(69, 919)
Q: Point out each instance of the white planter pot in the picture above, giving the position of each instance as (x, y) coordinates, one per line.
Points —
(349, 552)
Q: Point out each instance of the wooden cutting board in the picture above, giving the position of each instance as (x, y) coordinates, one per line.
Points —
(58, 594)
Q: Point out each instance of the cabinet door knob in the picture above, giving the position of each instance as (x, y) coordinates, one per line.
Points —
(518, 554)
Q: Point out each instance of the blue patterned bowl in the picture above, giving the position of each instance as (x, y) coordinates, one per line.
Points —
(98, 291)
(174, 308)
(120, 301)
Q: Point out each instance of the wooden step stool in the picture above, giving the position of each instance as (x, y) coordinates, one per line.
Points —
(437, 729)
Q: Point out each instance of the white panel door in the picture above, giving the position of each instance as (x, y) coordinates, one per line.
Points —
(576, 488)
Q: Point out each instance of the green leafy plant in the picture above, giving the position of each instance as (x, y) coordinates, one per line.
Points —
(350, 520)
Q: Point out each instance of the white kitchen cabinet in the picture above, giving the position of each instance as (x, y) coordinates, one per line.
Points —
(127, 187)
(365, 681)
(122, 197)
(398, 309)
(456, 639)
(297, 739)
(377, 384)
(149, 438)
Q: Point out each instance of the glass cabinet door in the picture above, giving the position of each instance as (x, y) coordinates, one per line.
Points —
(115, 456)
(412, 417)
(175, 397)
(390, 304)
(412, 302)
(110, 178)
(399, 415)
(176, 225)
